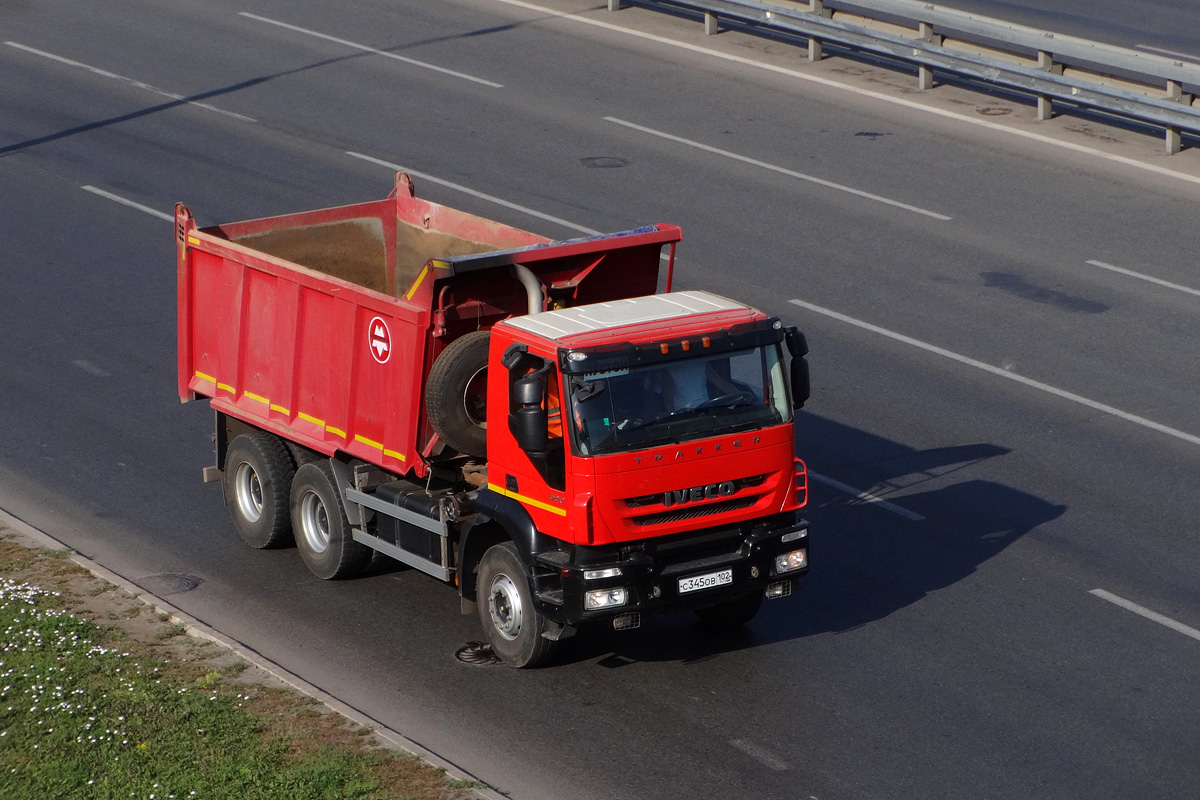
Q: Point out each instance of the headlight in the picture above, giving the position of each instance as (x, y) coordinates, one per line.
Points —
(605, 598)
(789, 562)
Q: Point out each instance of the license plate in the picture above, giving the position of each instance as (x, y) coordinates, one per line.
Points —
(712, 580)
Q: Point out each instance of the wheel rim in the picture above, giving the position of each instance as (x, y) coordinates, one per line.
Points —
(249, 493)
(475, 398)
(504, 605)
(314, 523)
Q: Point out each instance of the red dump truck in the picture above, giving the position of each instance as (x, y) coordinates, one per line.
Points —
(524, 418)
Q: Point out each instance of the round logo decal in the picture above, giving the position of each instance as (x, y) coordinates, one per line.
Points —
(380, 339)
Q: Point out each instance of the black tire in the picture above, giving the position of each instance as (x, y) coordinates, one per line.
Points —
(512, 625)
(321, 528)
(257, 482)
(731, 613)
(456, 394)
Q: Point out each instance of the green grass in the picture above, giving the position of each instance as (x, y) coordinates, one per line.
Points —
(86, 715)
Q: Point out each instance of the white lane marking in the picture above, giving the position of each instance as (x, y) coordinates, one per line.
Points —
(1167, 52)
(116, 198)
(773, 168)
(762, 756)
(970, 362)
(866, 497)
(92, 369)
(364, 48)
(844, 87)
(1177, 287)
(475, 193)
(106, 74)
(1147, 613)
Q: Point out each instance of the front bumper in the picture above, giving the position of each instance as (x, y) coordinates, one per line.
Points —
(652, 571)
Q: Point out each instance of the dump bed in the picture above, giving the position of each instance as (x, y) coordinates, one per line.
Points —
(321, 326)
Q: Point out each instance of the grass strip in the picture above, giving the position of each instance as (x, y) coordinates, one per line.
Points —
(88, 712)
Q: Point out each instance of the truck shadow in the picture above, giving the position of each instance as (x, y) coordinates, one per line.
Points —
(869, 560)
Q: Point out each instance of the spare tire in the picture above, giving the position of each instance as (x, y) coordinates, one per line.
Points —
(456, 394)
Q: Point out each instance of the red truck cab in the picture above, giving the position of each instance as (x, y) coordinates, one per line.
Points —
(649, 445)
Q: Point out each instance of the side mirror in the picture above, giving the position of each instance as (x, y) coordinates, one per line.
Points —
(797, 346)
(801, 389)
(527, 419)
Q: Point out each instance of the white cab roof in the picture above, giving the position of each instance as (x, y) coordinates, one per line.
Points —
(599, 316)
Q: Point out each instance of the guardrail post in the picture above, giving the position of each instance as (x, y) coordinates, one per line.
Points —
(1173, 136)
(614, 5)
(711, 25)
(1045, 62)
(816, 8)
(925, 74)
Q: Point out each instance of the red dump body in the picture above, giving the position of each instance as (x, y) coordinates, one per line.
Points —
(322, 326)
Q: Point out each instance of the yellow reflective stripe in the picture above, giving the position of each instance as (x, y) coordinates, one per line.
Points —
(225, 387)
(372, 443)
(368, 442)
(306, 417)
(417, 283)
(562, 512)
(193, 240)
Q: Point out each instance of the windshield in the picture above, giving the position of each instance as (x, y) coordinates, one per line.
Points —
(678, 401)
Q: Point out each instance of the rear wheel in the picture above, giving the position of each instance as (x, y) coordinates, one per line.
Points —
(512, 624)
(323, 533)
(257, 480)
(731, 613)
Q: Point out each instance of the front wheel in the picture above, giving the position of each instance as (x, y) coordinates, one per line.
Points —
(323, 533)
(512, 624)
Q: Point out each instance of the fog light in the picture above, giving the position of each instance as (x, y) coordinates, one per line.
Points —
(605, 598)
(797, 559)
(627, 622)
(780, 589)
(595, 574)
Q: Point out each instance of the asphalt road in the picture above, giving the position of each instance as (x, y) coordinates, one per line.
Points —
(1003, 600)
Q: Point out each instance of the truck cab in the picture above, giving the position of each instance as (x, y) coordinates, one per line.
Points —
(646, 446)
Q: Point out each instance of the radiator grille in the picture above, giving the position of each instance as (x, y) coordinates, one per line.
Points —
(656, 499)
(693, 512)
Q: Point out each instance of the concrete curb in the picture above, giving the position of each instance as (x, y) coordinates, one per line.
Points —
(388, 737)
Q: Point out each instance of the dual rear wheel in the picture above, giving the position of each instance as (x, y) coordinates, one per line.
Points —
(272, 502)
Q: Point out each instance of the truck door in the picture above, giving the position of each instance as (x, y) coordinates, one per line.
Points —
(531, 467)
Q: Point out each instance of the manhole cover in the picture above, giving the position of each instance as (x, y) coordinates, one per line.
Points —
(477, 654)
(169, 583)
(603, 162)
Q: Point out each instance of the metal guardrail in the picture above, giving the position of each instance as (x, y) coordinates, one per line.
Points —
(1129, 84)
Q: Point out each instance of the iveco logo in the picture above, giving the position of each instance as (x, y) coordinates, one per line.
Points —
(710, 492)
